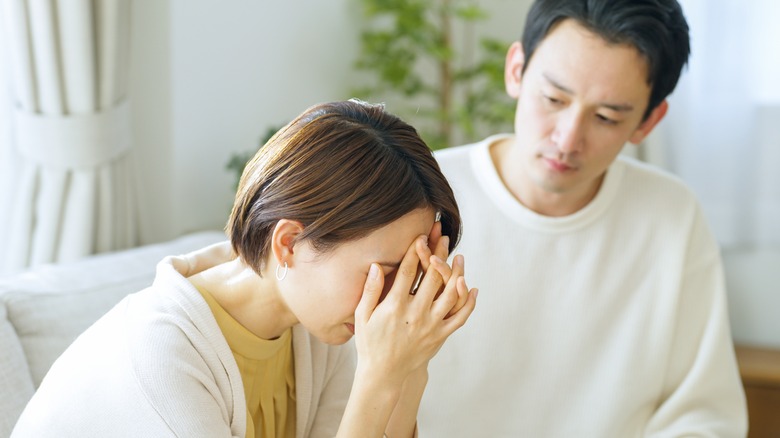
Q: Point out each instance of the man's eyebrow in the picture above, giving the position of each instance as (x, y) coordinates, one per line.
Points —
(619, 107)
(557, 84)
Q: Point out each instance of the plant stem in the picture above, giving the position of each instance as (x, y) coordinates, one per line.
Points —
(445, 74)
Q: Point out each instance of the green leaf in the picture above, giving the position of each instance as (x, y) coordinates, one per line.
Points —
(471, 13)
(403, 48)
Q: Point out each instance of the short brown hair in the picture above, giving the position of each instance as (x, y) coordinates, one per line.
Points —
(342, 169)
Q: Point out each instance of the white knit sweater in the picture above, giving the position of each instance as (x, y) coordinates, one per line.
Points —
(610, 322)
(157, 365)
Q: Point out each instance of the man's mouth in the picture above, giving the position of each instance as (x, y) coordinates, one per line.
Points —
(556, 165)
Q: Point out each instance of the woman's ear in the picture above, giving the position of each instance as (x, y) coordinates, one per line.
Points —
(513, 69)
(283, 240)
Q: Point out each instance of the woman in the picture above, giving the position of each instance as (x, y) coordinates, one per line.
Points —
(333, 219)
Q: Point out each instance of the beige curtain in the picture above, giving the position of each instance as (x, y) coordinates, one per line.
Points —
(71, 191)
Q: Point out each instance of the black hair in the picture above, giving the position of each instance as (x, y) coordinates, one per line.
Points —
(656, 28)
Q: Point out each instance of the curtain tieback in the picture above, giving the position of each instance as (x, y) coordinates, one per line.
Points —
(73, 141)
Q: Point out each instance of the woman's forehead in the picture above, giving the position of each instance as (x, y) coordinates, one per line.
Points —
(389, 243)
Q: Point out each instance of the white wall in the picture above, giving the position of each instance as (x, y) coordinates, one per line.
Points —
(238, 68)
(208, 79)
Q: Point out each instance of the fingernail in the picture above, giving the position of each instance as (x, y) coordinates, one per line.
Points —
(373, 272)
(425, 239)
(459, 260)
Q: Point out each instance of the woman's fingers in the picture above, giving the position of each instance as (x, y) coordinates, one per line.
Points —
(372, 290)
(461, 287)
(424, 254)
(437, 245)
(440, 265)
(406, 274)
(442, 248)
(430, 284)
(452, 292)
(434, 236)
(457, 320)
(448, 299)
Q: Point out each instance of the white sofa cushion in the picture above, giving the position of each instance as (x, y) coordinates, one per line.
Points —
(16, 385)
(49, 306)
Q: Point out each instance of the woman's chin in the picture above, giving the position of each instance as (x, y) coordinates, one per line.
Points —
(336, 337)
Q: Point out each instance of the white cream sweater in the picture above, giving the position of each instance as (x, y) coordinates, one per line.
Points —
(610, 322)
(157, 365)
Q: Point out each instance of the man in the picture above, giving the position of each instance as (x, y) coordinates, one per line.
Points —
(602, 308)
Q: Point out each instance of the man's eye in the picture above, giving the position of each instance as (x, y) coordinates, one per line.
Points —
(606, 120)
(552, 100)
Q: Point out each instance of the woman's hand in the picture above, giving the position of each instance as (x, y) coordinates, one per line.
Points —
(396, 338)
(406, 330)
(438, 246)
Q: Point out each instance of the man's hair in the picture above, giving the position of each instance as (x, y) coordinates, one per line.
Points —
(656, 28)
(342, 169)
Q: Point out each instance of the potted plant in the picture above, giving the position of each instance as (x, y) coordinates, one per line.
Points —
(448, 90)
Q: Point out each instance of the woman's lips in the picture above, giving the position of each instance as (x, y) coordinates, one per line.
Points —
(350, 327)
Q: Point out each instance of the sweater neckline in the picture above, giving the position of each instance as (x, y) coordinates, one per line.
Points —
(239, 338)
(490, 181)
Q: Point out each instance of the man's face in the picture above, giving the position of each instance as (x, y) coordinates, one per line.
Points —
(579, 101)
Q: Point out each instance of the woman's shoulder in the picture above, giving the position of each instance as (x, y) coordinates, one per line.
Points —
(170, 326)
(144, 359)
(179, 358)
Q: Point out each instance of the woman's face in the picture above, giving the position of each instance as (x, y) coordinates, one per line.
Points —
(323, 290)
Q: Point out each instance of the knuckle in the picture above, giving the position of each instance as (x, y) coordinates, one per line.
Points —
(436, 280)
(371, 288)
(408, 271)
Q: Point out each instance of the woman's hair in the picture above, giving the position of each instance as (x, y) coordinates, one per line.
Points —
(343, 170)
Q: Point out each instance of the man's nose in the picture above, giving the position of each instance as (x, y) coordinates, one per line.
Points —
(569, 133)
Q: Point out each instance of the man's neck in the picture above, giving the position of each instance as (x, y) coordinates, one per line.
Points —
(531, 195)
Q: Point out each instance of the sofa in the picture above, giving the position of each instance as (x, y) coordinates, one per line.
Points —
(43, 309)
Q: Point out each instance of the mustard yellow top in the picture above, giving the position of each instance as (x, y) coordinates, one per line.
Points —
(267, 371)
